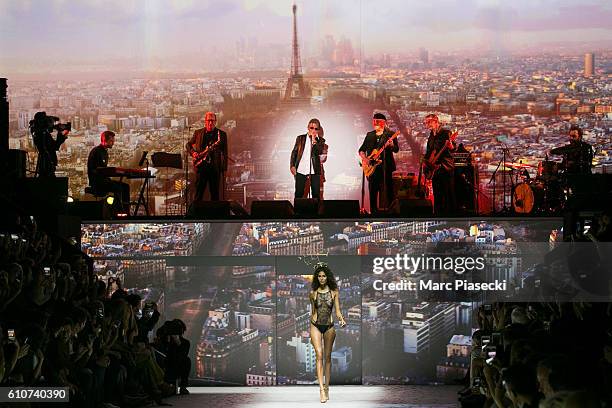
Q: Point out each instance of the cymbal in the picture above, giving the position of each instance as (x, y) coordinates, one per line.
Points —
(518, 166)
(567, 149)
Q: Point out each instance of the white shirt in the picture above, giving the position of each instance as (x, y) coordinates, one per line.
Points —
(304, 167)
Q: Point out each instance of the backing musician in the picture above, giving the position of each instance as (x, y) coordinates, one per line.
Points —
(98, 157)
(577, 155)
(211, 167)
(380, 183)
(443, 181)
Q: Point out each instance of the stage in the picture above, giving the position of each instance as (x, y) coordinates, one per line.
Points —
(390, 396)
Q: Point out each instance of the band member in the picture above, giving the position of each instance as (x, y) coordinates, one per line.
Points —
(578, 154)
(380, 183)
(214, 166)
(443, 181)
(45, 144)
(98, 157)
(309, 145)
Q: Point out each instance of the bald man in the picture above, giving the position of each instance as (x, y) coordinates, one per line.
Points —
(213, 168)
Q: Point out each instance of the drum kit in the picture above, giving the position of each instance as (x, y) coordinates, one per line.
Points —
(542, 195)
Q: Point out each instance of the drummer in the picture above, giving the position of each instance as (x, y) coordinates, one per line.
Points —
(577, 155)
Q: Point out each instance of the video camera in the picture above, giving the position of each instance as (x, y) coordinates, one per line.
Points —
(43, 122)
(148, 310)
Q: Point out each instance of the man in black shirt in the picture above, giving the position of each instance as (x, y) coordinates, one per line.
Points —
(577, 155)
(380, 183)
(211, 171)
(98, 157)
(443, 181)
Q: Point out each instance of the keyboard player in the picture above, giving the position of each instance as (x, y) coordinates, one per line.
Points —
(102, 185)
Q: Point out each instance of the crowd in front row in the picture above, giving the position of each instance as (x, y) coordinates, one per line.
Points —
(62, 326)
(541, 355)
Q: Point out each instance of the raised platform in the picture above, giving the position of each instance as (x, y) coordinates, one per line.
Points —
(391, 396)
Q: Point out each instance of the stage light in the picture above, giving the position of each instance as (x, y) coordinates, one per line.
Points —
(69, 199)
(121, 215)
(110, 199)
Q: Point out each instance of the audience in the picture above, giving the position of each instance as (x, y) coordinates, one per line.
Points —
(541, 355)
(62, 326)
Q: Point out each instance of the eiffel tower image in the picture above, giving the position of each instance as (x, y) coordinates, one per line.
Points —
(297, 91)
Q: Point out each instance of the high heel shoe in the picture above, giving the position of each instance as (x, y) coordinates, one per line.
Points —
(326, 387)
(322, 394)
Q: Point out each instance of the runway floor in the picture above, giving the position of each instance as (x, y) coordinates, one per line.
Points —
(354, 396)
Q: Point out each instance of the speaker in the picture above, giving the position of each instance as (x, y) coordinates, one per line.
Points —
(209, 209)
(339, 209)
(65, 226)
(89, 210)
(411, 208)
(43, 195)
(17, 163)
(466, 186)
(272, 209)
(306, 207)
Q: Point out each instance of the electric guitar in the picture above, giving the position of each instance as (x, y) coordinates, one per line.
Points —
(421, 190)
(373, 160)
(203, 155)
(431, 165)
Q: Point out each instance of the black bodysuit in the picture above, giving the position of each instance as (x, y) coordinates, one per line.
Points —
(323, 303)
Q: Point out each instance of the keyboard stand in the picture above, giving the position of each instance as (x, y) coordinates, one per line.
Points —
(141, 198)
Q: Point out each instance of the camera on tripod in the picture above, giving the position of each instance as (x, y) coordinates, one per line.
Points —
(46, 123)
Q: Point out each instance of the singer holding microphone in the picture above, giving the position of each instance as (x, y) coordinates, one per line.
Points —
(310, 145)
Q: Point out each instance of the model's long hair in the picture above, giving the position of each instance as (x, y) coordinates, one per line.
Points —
(331, 281)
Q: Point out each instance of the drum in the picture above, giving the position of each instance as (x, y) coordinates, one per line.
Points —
(549, 169)
(528, 197)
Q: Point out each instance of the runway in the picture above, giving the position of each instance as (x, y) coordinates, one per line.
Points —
(388, 396)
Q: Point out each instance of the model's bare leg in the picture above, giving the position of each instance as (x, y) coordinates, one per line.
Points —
(316, 340)
(328, 345)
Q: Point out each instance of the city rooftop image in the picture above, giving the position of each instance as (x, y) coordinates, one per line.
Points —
(388, 203)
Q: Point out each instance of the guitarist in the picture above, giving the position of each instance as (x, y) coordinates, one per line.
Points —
(443, 181)
(380, 183)
(210, 171)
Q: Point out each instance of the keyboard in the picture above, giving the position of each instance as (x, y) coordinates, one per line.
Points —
(124, 172)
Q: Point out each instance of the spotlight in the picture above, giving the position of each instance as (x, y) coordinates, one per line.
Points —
(110, 199)
(69, 199)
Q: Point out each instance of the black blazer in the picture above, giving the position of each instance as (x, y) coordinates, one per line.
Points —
(298, 150)
(370, 143)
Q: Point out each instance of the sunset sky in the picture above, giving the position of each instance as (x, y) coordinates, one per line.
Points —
(86, 31)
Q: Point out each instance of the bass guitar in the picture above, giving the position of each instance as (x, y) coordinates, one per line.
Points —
(431, 165)
(373, 160)
(203, 155)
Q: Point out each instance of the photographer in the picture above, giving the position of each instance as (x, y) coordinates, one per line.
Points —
(174, 351)
(41, 127)
(147, 319)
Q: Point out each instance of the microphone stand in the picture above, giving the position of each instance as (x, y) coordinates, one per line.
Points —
(493, 180)
(309, 140)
